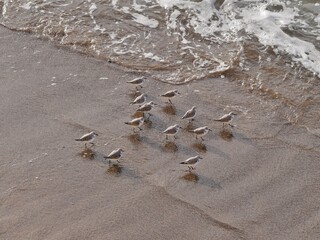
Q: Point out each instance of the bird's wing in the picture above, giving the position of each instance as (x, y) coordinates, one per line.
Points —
(187, 114)
(86, 137)
(170, 129)
(113, 154)
(192, 160)
(224, 118)
(199, 130)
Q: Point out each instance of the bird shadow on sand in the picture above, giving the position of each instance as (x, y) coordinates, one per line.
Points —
(196, 178)
(226, 134)
(151, 142)
(169, 109)
(118, 169)
(148, 122)
(217, 151)
(209, 182)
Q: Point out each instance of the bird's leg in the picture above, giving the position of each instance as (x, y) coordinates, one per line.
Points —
(196, 136)
(231, 125)
(170, 101)
(133, 131)
(166, 137)
(109, 162)
(85, 146)
(202, 139)
(140, 128)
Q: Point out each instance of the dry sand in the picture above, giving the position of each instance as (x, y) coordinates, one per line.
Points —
(261, 182)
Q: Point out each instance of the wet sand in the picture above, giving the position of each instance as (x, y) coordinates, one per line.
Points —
(259, 181)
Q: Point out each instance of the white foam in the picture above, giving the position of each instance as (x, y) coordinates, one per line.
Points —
(267, 27)
(26, 6)
(144, 20)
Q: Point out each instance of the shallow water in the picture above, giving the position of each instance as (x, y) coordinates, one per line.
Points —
(270, 47)
(258, 180)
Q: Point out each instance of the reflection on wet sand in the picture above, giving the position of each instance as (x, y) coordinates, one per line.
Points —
(170, 147)
(87, 153)
(191, 177)
(114, 169)
(134, 138)
(169, 109)
(137, 115)
(200, 146)
(226, 135)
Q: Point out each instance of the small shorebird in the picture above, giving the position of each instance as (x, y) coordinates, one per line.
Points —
(190, 114)
(172, 130)
(227, 118)
(115, 155)
(170, 94)
(137, 82)
(146, 107)
(136, 123)
(88, 138)
(191, 162)
(201, 131)
(140, 99)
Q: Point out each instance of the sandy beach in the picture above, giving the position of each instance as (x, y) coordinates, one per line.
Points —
(258, 181)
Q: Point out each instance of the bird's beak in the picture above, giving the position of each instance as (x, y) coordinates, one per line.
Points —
(97, 134)
(210, 129)
(178, 93)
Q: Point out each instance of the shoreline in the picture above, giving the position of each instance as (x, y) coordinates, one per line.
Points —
(248, 183)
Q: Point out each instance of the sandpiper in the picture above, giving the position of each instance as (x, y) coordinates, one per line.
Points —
(172, 130)
(201, 131)
(191, 162)
(137, 82)
(136, 123)
(227, 118)
(88, 138)
(146, 107)
(115, 155)
(139, 100)
(170, 94)
(190, 114)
